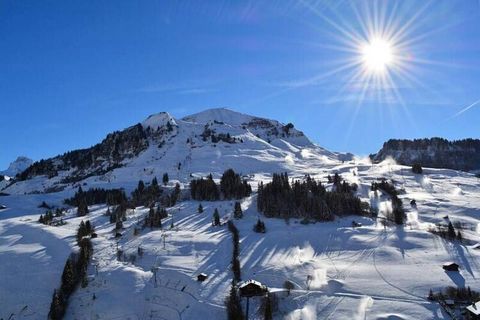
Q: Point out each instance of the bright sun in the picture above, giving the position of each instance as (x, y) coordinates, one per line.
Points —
(377, 55)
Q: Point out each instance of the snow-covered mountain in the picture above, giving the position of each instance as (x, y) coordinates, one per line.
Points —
(207, 142)
(433, 153)
(17, 166)
(355, 267)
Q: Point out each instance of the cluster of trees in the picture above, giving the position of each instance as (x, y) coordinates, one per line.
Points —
(398, 213)
(204, 189)
(85, 229)
(96, 196)
(449, 232)
(38, 168)
(154, 217)
(432, 143)
(82, 199)
(47, 218)
(433, 153)
(215, 138)
(169, 200)
(74, 273)
(234, 308)
(114, 148)
(456, 294)
(146, 195)
(82, 209)
(236, 250)
(231, 187)
(307, 199)
(117, 215)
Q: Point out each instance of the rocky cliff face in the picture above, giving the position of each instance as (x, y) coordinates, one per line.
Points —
(17, 166)
(435, 153)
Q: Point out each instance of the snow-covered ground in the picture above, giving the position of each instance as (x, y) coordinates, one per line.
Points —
(368, 272)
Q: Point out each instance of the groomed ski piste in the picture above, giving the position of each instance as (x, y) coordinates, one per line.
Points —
(373, 271)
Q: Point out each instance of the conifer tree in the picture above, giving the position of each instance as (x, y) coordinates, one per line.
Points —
(459, 236)
(234, 307)
(82, 209)
(68, 277)
(165, 179)
(238, 213)
(57, 306)
(267, 315)
(259, 227)
(200, 208)
(417, 168)
(81, 232)
(451, 231)
(216, 218)
(88, 227)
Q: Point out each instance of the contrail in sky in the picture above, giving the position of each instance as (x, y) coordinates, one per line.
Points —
(464, 109)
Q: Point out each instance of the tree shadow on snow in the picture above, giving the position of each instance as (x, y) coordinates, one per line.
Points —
(457, 278)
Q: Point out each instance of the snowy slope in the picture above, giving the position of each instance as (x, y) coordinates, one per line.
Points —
(370, 272)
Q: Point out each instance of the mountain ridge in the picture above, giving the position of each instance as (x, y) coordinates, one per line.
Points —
(433, 152)
(181, 147)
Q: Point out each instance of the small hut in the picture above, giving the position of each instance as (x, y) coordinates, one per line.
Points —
(474, 310)
(252, 288)
(451, 266)
(202, 277)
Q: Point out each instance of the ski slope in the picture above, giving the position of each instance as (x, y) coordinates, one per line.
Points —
(369, 272)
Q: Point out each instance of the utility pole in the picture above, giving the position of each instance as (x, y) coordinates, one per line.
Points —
(154, 270)
(164, 235)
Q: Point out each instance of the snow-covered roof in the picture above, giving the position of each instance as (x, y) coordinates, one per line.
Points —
(474, 308)
(247, 282)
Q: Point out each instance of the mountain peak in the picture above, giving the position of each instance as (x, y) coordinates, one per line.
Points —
(224, 115)
(157, 120)
(17, 166)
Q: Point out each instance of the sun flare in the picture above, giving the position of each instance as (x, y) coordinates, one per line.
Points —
(377, 55)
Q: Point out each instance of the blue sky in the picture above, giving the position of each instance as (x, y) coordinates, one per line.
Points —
(73, 71)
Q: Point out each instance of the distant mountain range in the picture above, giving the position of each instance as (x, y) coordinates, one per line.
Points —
(435, 153)
(211, 142)
(17, 166)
